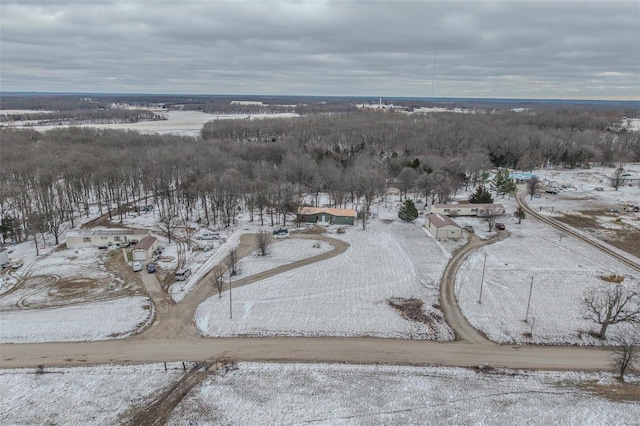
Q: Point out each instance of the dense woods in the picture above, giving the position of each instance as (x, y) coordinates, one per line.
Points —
(267, 167)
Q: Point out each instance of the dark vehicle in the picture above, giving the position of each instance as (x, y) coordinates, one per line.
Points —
(469, 229)
(281, 233)
(499, 226)
(151, 268)
(552, 191)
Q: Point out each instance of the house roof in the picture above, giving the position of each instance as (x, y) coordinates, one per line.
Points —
(332, 212)
(145, 243)
(441, 221)
(468, 205)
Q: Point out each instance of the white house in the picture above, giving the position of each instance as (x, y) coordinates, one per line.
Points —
(143, 251)
(442, 227)
(104, 237)
(466, 209)
(4, 256)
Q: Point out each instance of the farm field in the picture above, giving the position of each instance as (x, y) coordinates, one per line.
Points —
(348, 295)
(256, 393)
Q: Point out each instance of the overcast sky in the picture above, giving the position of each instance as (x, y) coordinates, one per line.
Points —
(494, 49)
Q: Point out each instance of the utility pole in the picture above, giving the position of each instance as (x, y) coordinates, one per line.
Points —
(484, 264)
(230, 307)
(526, 318)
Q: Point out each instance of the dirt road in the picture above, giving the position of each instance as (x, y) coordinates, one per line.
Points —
(173, 337)
(295, 349)
(448, 302)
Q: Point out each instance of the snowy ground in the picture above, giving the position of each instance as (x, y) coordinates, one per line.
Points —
(354, 394)
(344, 296)
(81, 395)
(69, 295)
(185, 123)
(281, 252)
(563, 269)
(258, 393)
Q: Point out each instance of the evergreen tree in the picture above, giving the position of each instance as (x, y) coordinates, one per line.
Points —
(481, 196)
(520, 214)
(408, 211)
(502, 183)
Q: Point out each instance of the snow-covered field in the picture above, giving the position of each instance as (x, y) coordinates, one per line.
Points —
(281, 252)
(344, 296)
(256, 393)
(69, 295)
(80, 395)
(372, 395)
(186, 123)
(98, 320)
(563, 270)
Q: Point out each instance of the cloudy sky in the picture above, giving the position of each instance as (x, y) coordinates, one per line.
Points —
(494, 49)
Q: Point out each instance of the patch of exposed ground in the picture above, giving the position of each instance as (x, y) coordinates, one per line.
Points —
(623, 236)
(412, 310)
(617, 392)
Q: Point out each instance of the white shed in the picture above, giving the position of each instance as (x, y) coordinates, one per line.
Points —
(442, 227)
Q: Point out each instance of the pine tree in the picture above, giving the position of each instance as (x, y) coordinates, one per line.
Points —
(408, 211)
(520, 214)
(481, 196)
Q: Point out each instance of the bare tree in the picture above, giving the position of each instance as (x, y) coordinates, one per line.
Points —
(232, 262)
(612, 305)
(617, 180)
(533, 185)
(167, 224)
(625, 355)
(263, 240)
(490, 215)
(217, 279)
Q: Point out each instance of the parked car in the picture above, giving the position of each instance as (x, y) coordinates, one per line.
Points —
(552, 191)
(469, 229)
(137, 266)
(209, 236)
(18, 264)
(499, 226)
(183, 274)
(151, 268)
(281, 233)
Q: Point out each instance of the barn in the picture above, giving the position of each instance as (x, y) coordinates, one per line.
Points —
(104, 237)
(143, 251)
(442, 227)
(326, 216)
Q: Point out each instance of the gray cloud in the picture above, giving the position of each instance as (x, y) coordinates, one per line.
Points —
(542, 49)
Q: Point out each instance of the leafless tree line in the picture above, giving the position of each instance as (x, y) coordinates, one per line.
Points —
(265, 167)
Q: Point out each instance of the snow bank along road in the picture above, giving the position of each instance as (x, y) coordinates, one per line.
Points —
(177, 341)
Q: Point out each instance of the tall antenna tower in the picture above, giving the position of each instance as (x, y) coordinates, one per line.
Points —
(433, 73)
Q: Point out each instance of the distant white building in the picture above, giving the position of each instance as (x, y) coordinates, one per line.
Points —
(104, 237)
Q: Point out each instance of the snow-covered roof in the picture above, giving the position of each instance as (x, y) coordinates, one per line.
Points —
(468, 205)
(441, 221)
